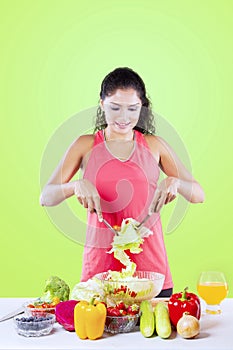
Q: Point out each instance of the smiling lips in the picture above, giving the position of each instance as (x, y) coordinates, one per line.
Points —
(122, 125)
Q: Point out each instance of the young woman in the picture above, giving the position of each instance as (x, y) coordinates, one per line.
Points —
(121, 163)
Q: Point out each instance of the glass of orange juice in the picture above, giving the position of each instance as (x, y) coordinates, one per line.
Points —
(212, 287)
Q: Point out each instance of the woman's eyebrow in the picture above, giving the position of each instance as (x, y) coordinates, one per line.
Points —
(118, 104)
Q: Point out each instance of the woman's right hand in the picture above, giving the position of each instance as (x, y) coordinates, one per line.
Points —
(88, 196)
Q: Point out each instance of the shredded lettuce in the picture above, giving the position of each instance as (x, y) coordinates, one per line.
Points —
(124, 274)
(88, 290)
(129, 238)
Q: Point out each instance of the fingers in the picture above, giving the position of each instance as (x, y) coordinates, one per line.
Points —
(80, 195)
(161, 201)
(162, 196)
(82, 201)
(158, 201)
(97, 208)
(88, 196)
(171, 192)
(155, 201)
(170, 198)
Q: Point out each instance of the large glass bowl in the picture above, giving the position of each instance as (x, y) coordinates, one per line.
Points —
(143, 285)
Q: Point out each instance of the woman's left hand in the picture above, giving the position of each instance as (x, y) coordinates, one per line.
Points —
(165, 193)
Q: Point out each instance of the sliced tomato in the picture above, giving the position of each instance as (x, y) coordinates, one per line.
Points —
(123, 312)
(121, 306)
(133, 309)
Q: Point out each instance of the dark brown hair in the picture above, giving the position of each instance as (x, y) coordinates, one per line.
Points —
(125, 78)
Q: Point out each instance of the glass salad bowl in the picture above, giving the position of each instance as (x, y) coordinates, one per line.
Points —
(143, 285)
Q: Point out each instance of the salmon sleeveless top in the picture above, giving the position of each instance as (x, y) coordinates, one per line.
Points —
(126, 189)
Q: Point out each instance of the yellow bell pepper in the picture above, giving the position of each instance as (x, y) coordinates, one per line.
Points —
(89, 319)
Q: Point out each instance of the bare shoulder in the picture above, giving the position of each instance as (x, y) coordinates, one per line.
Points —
(159, 147)
(157, 143)
(152, 140)
(154, 145)
(85, 139)
(83, 144)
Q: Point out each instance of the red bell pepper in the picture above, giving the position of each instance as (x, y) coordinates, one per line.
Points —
(183, 302)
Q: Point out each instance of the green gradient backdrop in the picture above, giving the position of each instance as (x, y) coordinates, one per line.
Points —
(53, 58)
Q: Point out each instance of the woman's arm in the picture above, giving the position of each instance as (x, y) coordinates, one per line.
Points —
(59, 186)
(179, 179)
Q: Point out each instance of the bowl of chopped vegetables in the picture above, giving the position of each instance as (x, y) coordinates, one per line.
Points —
(142, 285)
(122, 318)
(40, 308)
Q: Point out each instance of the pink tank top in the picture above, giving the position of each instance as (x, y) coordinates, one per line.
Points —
(126, 189)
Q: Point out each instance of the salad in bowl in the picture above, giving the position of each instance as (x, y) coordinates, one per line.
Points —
(142, 285)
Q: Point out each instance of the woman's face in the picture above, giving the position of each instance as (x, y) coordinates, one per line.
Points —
(122, 110)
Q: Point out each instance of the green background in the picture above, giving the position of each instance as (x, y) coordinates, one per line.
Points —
(54, 55)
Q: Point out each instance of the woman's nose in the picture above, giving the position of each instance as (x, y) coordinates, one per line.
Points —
(124, 114)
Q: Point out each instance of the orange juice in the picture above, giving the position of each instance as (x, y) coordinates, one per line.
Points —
(212, 292)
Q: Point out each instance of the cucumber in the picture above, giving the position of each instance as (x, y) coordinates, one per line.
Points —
(162, 321)
(147, 319)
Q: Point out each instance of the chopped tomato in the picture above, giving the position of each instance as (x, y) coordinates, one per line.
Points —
(45, 305)
(133, 294)
(123, 312)
(133, 309)
(121, 306)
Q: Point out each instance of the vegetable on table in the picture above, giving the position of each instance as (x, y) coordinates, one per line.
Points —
(121, 309)
(89, 319)
(87, 290)
(41, 308)
(65, 314)
(40, 304)
(133, 309)
(147, 320)
(162, 320)
(188, 326)
(183, 302)
(55, 287)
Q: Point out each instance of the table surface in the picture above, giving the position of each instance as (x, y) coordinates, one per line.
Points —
(216, 333)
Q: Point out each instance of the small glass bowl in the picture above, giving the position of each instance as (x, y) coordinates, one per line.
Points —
(34, 326)
(39, 311)
(121, 324)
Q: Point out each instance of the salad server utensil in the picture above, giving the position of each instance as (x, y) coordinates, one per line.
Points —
(109, 226)
(144, 220)
(12, 314)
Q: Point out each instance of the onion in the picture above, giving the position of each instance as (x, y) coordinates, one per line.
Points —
(188, 326)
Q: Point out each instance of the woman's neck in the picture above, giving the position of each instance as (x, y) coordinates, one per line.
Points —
(111, 136)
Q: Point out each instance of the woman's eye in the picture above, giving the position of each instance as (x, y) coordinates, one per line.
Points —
(131, 109)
